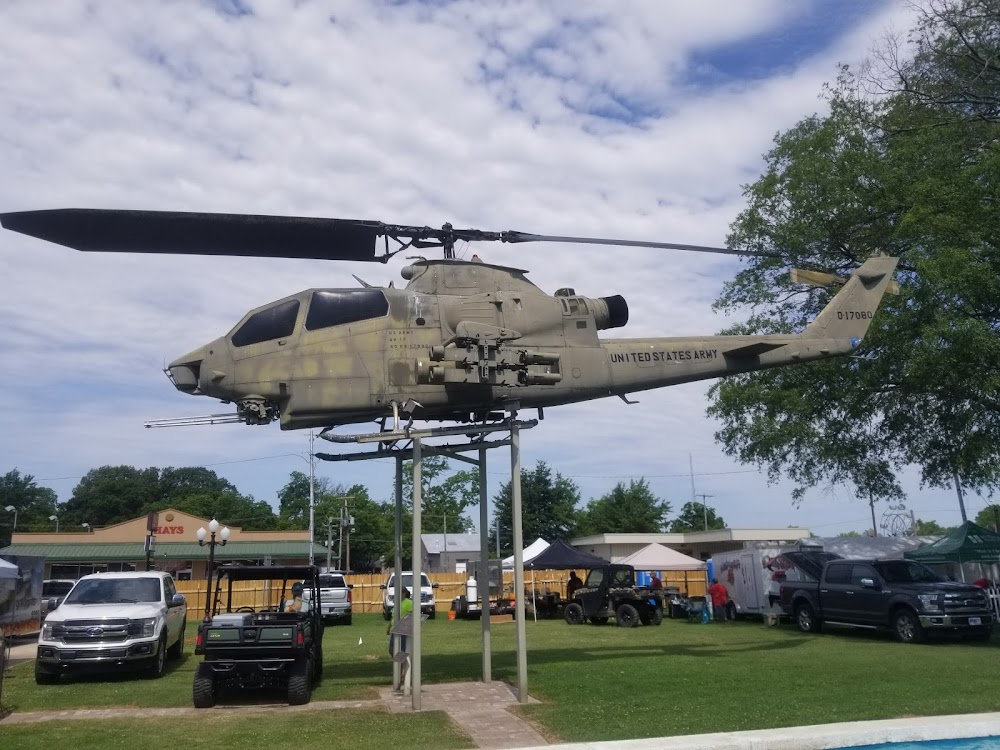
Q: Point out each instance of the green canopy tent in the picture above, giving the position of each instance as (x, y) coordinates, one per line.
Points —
(969, 543)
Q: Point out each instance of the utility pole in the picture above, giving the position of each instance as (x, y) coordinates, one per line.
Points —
(996, 518)
(340, 541)
(329, 541)
(444, 546)
(704, 508)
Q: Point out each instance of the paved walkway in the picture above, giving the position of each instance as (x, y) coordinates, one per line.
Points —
(481, 709)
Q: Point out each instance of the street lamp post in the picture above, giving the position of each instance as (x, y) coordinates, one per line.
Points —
(12, 509)
(56, 519)
(213, 528)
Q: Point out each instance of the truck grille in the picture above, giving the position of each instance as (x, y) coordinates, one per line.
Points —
(95, 631)
(971, 602)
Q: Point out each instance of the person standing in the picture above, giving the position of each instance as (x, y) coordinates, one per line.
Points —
(720, 600)
(572, 584)
(405, 608)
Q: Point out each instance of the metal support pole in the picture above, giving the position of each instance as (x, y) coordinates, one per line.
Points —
(398, 566)
(515, 485)
(312, 498)
(415, 646)
(483, 582)
(871, 502)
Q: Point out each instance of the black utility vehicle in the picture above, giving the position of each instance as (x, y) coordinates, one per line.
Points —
(260, 646)
(902, 595)
(610, 591)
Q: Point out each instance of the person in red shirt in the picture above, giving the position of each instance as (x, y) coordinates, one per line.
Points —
(720, 598)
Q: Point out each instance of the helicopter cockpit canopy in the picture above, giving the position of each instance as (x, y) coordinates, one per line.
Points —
(325, 308)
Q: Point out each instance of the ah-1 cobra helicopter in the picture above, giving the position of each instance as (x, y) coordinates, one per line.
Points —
(463, 342)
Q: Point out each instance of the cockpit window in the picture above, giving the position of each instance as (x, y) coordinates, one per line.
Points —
(336, 308)
(273, 323)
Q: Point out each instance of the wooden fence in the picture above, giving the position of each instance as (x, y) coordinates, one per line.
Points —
(367, 588)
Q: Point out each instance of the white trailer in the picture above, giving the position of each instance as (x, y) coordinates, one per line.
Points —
(752, 577)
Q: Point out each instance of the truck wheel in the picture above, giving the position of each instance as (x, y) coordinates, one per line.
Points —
(347, 620)
(432, 614)
(730, 611)
(177, 650)
(574, 614)
(386, 614)
(158, 664)
(599, 620)
(627, 616)
(204, 690)
(44, 676)
(805, 618)
(299, 686)
(907, 627)
(657, 617)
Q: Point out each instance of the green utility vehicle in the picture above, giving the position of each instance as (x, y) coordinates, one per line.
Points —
(610, 592)
(264, 645)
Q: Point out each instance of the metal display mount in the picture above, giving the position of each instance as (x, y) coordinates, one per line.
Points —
(402, 443)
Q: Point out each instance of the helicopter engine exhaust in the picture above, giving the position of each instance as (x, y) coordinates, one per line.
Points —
(609, 312)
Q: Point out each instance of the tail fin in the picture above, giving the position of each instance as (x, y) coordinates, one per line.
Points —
(850, 313)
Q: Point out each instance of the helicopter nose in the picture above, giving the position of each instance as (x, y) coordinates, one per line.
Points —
(185, 371)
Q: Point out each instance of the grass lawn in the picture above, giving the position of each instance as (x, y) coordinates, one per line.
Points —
(595, 683)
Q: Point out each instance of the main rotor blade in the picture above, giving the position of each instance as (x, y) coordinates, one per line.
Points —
(512, 236)
(108, 230)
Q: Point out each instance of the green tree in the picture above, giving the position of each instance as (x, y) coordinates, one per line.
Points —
(850, 534)
(371, 536)
(989, 517)
(912, 172)
(112, 494)
(33, 504)
(624, 510)
(696, 517)
(201, 492)
(930, 528)
(444, 497)
(548, 508)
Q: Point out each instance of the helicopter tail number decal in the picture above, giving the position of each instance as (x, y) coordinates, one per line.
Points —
(850, 313)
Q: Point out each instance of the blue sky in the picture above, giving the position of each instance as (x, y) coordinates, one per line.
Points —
(589, 118)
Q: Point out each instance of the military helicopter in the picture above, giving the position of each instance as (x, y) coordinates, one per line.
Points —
(463, 342)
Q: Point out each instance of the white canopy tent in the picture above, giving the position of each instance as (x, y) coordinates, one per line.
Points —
(657, 557)
(8, 569)
(530, 552)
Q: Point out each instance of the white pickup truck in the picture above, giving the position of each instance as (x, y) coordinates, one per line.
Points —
(113, 619)
(335, 599)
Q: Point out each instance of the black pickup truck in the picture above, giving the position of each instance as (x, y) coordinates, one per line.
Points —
(904, 596)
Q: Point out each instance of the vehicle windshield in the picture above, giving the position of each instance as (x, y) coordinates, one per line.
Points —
(332, 582)
(905, 571)
(55, 588)
(408, 581)
(115, 590)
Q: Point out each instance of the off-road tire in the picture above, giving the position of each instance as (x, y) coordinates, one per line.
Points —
(906, 626)
(730, 611)
(158, 664)
(177, 650)
(45, 676)
(657, 616)
(599, 620)
(204, 690)
(299, 682)
(433, 613)
(318, 664)
(574, 614)
(386, 614)
(627, 616)
(806, 619)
